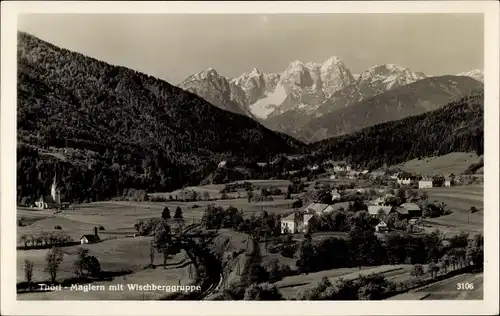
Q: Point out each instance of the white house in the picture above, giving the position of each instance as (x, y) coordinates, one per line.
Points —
(381, 227)
(365, 171)
(294, 223)
(404, 181)
(424, 184)
(333, 177)
(89, 239)
(447, 183)
(222, 164)
(335, 195)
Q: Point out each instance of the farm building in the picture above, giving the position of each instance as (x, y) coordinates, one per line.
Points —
(295, 223)
(89, 239)
(404, 181)
(375, 209)
(381, 227)
(333, 177)
(412, 209)
(335, 195)
(262, 164)
(425, 183)
(315, 208)
(50, 201)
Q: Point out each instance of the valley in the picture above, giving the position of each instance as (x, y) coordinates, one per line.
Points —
(310, 184)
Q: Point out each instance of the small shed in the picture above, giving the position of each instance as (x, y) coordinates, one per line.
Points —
(89, 239)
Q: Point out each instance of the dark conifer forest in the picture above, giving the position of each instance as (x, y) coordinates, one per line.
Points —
(457, 127)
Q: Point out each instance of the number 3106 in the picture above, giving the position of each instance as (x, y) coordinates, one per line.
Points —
(465, 286)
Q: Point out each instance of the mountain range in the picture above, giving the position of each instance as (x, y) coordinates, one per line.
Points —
(304, 95)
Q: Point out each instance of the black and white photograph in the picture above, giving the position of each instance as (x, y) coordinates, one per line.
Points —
(239, 156)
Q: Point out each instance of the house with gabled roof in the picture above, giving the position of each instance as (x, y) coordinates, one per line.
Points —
(375, 209)
(295, 223)
(411, 209)
(381, 227)
(315, 208)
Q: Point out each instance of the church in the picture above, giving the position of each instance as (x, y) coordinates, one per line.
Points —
(50, 201)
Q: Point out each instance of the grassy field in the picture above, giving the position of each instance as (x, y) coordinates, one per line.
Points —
(213, 190)
(117, 254)
(455, 163)
(159, 276)
(447, 289)
(119, 249)
(290, 286)
(459, 199)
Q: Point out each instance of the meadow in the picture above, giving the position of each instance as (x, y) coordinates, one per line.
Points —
(455, 163)
(459, 200)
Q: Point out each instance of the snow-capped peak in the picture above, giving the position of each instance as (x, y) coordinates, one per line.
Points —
(332, 60)
(382, 77)
(477, 74)
(256, 71)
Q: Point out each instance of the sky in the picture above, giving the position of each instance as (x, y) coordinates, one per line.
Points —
(174, 46)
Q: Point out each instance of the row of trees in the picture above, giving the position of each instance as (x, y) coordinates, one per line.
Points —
(45, 239)
(363, 248)
(85, 265)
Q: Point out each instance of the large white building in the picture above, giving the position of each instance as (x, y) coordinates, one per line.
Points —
(295, 223)
(424, 184)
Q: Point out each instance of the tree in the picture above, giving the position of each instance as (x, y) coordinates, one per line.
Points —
(475, 250)
(179, 218)
(24, 239)
(53, 259)
(78, 265)
(92, 266)
(166, 213)
(249, 195)
(305, 257)
(253, 271)
(206, 196)
(262, 292)
(28, 270)
(417, 270)
(433, 269)
(163, 238)
(381, 214)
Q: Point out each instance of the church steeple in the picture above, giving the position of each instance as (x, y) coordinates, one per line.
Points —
(54, 192)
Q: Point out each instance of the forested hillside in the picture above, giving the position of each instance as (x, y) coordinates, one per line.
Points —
(412, 99)
(119, 128)
(457, 127)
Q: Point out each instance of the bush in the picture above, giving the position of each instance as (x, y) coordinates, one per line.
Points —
(57, 227)
(101, 227)
(417, 270)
